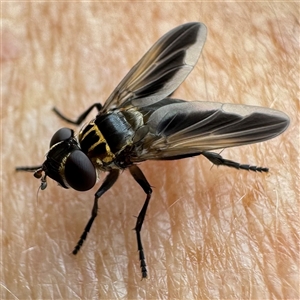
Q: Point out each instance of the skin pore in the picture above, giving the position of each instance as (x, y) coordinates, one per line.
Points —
(209, 232)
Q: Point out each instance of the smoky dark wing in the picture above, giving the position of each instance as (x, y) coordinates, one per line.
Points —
(181, 128)
(162, 69)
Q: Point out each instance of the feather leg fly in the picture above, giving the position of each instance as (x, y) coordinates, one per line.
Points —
(140, 121)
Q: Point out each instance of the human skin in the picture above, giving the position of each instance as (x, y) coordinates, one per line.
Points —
(210, 232)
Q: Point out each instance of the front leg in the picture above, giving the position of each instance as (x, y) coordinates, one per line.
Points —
(109, 181)
(81, 118)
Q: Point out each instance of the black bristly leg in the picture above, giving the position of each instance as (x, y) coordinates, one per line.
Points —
(109, 181)
(81, 118)
(138, 175)
(218, 160)
(28, 169)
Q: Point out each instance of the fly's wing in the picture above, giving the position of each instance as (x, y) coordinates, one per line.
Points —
(162, 69)
(180, 129)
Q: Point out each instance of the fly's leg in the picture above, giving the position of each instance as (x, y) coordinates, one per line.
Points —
(109, 181)
(81, 118)
(28, 169)
(218, 160)
(138, 175)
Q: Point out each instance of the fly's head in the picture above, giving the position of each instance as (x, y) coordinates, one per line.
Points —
(67, 164)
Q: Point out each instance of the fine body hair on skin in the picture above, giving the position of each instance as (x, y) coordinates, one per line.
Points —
(209, 232)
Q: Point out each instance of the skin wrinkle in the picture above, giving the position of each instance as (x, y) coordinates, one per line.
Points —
(210, 232)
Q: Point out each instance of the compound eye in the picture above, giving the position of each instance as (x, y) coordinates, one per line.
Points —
(80, 173)
(61, 135)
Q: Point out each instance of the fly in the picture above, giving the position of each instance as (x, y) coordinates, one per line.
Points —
(140, 121)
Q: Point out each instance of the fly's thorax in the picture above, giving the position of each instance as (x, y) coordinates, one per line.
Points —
(94, 144)
(105, 137)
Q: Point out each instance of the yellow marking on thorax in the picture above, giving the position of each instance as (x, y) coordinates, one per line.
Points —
(106, 157)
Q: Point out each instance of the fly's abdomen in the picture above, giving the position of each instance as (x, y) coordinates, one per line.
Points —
(105, 137)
